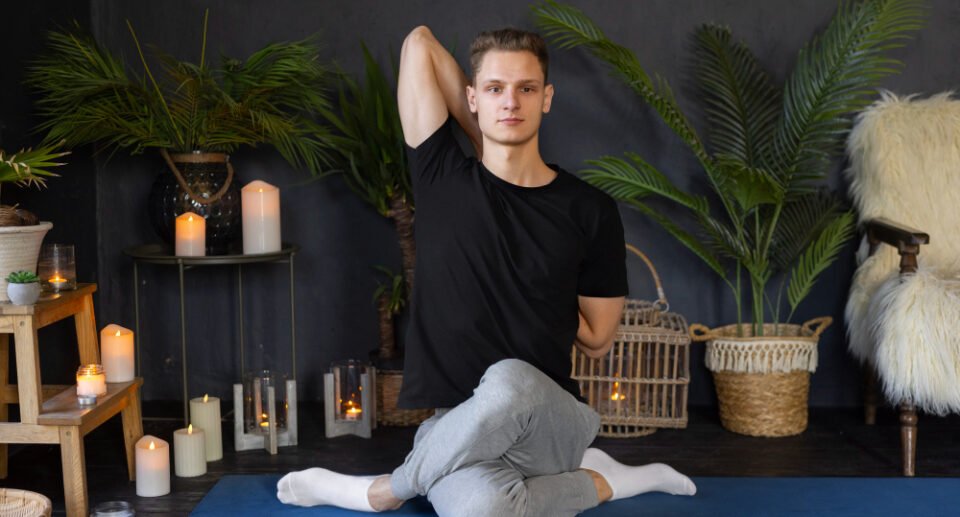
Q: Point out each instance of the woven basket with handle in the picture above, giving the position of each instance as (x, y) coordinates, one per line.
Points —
(21, 503)
(762, 382)
(642, 383)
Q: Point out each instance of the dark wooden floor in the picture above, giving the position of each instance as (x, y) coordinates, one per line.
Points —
(836, 443)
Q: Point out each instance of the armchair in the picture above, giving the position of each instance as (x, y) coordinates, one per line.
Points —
(903, 312)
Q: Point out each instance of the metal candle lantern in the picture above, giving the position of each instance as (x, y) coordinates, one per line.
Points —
(265, 412)
(349, 406)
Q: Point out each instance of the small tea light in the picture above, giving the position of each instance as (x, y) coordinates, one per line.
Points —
(57, 267)
(91, 383)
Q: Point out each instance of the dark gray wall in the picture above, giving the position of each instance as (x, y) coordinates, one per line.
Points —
(69, 201)
(341, 238)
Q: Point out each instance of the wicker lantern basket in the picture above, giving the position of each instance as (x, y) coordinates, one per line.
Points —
(22, 503)
(763, 382)
(642, 383)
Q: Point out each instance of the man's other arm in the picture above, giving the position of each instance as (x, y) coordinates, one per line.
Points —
(599, 319)
(431, 84)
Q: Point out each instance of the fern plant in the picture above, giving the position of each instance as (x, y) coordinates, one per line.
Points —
(88, 95)
(370, 152)
(770, 148)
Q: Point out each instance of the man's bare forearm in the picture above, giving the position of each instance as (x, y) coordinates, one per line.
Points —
(450, 79)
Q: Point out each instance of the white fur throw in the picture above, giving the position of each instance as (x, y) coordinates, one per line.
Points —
(905, 166)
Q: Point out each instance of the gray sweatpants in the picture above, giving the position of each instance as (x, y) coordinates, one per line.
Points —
(512, 449)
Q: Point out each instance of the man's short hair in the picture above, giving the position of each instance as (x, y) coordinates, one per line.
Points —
(508, 39)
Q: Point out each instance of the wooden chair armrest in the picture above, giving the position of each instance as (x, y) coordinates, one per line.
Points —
(906, 240)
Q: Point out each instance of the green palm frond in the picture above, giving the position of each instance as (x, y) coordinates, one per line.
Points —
(836, 75)
(30, 166)
(818, 255)
(742, 104)
(273, 98)
(637, 179)
(803, 218)
(370, 148)
(771, 147)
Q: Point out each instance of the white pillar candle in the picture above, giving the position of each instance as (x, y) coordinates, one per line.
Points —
(91, 381)
(116, 353)
(153, 467)
(189, 458)
(205, 414)
(191, 235)
(261, 217)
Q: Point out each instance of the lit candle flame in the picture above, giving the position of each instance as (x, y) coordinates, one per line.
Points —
(117, 334)
(205, 397)
(152, 445)
(190, 218)
(57, 279)
(616, 393)
(190, 429)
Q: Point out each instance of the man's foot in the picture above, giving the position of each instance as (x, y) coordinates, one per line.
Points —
(316, 486)
(626, 481)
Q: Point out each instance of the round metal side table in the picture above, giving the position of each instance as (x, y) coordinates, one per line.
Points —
(160, 254)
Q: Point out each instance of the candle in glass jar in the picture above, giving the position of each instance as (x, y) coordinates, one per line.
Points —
(188, 452)
(261, 217)
(91, 381)
(205, 414)
(116, 350)
(191, 235)
(153, 466)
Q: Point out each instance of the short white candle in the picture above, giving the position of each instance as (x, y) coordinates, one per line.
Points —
(153, 467)
(205, 414)
(91, 381)
(261, 217)
(191, 235)
(116, 352)
(189, 457)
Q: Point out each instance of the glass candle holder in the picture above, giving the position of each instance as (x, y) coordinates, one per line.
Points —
(91, 383)
(57, 268)
(348, 389)
(256, 414)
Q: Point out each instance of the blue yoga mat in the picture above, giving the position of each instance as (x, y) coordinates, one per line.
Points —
(240, 496)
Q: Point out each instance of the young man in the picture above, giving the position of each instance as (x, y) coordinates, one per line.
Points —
(517, 260)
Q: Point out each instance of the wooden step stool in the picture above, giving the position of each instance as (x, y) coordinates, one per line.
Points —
(50, 414)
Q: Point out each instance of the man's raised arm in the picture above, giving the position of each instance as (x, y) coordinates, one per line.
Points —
(431, 84)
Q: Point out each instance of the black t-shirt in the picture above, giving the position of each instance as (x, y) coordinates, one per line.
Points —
(498, 271)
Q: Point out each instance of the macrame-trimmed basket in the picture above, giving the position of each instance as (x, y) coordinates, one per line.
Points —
(22, 503)
(763, 382)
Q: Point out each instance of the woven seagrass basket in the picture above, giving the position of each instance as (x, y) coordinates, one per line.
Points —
(388, 391)
(21, 503)
(763, 382)
(642, 383)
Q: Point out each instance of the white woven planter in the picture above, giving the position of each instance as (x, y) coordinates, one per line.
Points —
(19, 250)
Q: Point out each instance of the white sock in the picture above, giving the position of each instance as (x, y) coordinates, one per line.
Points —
(316, 486)
(627, 481)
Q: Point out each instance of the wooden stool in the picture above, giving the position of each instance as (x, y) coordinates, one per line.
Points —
(50, 414)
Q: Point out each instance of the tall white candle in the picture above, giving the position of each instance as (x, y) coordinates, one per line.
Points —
(91, 380)
(116, 352)
(191, 235)
(189, 458)
(153, 467)
(261, 217)
(205, 414)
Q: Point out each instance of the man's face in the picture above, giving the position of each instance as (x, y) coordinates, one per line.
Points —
(509, 96)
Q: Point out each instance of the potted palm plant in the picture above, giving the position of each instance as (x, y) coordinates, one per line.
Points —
(770, 223)
(193, 114)
(370, 154)
(21, 233)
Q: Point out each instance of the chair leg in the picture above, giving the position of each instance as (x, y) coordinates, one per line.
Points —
(86, 325)
(74, 471)
(132, 431)
(870, 396)
(4, 380)
(908, 438)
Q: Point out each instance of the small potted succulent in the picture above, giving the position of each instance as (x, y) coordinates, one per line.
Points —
(23, 287)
